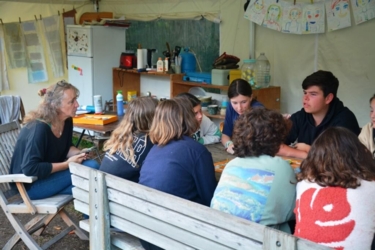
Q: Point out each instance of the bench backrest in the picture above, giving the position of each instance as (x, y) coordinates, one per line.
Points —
(166, 220)
(8, 138)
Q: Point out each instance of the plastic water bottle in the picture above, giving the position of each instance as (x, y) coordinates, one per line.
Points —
(120, 103)
(188, 63)
(262, 72)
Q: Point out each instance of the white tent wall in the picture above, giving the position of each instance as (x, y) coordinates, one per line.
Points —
(11, 12)
(348, 53)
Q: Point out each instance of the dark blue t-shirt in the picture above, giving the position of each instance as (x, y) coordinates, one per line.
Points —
(183, 168)
(117, 164)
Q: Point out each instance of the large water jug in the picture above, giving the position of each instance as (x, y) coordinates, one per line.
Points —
(188, 63)
(262, 72)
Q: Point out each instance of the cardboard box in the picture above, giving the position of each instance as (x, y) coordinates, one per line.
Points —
(220, 77)
(234, 74)
(94, 119)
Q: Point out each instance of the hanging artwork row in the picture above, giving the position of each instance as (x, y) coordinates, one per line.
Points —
(303, 18)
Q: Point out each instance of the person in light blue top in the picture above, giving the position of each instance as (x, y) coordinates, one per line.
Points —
(241, 99)
(258, 185)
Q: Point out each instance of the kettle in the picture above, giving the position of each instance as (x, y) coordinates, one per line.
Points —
(128, 60)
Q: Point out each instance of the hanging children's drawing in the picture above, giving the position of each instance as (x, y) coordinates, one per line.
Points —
(292, 18)
(256, 11)
(363, 10)
(313, 17)
(273, 16)
(338, 14)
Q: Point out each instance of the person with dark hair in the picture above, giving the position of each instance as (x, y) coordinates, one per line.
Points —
(334, 192)
(321, 109)
(257, 185)
(177, 164)
(129, 143)
(208, 132)
(44, 146)
(367, 135)
(241, 99)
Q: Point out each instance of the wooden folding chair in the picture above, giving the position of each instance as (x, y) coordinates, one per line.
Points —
(44, 210)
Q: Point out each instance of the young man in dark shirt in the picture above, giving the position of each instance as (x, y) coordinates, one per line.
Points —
(321, 110)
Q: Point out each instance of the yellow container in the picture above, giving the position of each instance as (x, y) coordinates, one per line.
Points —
(234, 74)
(132, 95)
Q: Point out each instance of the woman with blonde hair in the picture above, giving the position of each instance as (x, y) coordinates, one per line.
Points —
(44, 146)
(129, 143)
(178, 164)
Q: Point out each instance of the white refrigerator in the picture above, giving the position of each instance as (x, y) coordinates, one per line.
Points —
(92, 53)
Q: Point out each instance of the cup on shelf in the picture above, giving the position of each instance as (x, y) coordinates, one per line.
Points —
(212, 109)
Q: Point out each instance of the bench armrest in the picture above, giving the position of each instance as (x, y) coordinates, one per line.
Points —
(17, 178)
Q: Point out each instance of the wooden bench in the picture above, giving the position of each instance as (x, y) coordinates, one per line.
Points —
(164, 220)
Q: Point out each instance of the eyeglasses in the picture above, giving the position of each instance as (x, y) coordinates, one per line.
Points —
(61, 83)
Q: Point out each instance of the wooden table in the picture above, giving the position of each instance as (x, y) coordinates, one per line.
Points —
(221, 158)
(100, 132)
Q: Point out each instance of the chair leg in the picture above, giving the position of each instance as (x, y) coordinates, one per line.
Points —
(39, 229)
(22, 233)
(68, 220)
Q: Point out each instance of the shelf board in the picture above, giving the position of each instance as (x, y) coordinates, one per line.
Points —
(218, 116)
(197, 84)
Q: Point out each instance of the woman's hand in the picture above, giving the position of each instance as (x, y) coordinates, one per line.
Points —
(78, 158)
(230, 149)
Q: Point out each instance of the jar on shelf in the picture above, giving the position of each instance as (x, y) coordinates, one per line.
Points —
(248, 71)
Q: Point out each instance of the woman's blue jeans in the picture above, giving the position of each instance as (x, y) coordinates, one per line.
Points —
(57, 183)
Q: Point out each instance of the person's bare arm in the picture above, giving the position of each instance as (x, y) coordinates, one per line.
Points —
(224, 139)
(60, 166)
(291, 152)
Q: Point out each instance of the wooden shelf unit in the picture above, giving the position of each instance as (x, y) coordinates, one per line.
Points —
(269, 97)
(129, 79)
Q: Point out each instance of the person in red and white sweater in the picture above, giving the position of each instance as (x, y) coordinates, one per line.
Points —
(335, 204)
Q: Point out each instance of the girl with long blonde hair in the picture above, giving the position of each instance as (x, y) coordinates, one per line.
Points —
(129, 142)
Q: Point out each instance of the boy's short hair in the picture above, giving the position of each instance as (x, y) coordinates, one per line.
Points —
(192, 98)
(325, 80)
(259, 131)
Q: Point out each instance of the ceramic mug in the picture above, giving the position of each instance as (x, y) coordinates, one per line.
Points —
(212, 109)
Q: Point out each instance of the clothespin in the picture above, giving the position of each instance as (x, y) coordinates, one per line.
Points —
(40, 17)
(312, 1)
(294, 2)
(1, 21)
(63, 10)
(277, 1)
(58, 12)
(36, 19)
(19, 19)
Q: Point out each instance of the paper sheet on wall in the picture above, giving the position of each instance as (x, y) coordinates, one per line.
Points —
(4, 82)
(36, 70)
(256, 11)
(51, 28)
(313, 18)
(15, 45)
(338, 14)
(292, 18)
(363, 10)
(273, 17)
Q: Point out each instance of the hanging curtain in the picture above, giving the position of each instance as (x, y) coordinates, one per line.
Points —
(14, 45)
(51, 28)
(37, 71)
(4, 82)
